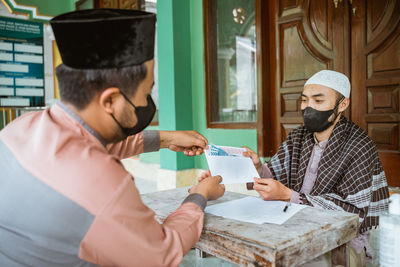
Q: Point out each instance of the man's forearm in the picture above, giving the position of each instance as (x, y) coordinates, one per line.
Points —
(166, 138)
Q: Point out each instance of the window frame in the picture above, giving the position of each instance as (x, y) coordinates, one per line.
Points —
(211, 69)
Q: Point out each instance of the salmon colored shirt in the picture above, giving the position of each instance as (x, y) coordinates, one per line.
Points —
(66, 199)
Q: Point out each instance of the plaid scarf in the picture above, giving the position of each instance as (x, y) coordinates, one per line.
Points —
(350, 175)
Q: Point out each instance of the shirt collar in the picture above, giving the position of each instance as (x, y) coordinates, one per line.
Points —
(321, 144)
(81, 122)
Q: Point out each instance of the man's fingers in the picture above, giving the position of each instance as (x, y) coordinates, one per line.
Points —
(188, 152)
(206, 174)
(199, 140)
(176, 148)
(188, 140)
(200, 136)
(248, 150)
(261, 188)
(246, 153)
(193, 151)
(218, 178)
(264, 181)
(197, 151)
(256, 187)
(222, 188)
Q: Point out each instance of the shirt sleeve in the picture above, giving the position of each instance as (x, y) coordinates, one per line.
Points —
(198, 199)
(295, 198)
(151, 141)
(146, 141)
(265, 171)
(126, 232)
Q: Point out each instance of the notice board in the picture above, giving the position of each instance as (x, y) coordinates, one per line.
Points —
(21, 63)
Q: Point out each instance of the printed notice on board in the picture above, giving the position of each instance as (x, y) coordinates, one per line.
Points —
(21, 63)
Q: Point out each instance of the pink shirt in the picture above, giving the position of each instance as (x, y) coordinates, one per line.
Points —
(311, 172)
(79, 177)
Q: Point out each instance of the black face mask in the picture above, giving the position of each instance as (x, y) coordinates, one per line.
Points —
(144, 116)
(316, 120)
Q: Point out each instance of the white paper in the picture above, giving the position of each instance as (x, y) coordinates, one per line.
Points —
(255, 210)
(233, 169)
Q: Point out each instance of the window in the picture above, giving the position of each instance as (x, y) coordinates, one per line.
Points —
(231, 66)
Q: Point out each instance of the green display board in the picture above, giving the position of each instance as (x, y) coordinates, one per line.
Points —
(21, 63)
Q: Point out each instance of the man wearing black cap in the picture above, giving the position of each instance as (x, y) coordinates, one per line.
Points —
(66, 198)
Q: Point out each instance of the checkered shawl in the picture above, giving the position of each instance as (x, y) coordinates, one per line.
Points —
(350, 175)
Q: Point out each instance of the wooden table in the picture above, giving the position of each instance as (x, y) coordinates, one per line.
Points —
(308, 234)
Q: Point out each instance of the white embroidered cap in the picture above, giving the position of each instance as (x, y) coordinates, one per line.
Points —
(332, 79)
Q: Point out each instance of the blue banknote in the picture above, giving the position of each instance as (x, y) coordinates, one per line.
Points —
(217, 151)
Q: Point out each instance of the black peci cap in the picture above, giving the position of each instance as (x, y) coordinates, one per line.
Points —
(104, 38)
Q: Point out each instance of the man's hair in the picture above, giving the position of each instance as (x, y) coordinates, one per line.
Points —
(79, 86)
(339, 96)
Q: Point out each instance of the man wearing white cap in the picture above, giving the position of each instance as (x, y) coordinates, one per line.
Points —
(329, 163)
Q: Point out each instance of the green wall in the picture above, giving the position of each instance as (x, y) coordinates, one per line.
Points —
(176, 90)
(174, 74)
(50, 8)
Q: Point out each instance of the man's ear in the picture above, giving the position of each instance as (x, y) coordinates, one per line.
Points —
(108, 98)
(344, 104)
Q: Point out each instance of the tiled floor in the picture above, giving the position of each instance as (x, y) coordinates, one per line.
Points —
(191, 260)
(145, 186)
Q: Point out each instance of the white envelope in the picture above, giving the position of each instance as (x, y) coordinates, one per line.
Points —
(233, 170)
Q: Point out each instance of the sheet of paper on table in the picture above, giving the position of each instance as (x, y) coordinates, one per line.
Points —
(230, 164)
(255, 210)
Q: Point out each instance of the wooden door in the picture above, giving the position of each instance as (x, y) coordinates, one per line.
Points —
(360, 38)
(310, 35)
(375, 77)
(311, 38)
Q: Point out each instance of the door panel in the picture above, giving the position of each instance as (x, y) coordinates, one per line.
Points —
(308, 43)
(294, 50)
(375, 78)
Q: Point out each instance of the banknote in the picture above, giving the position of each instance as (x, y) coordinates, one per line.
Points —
(225, 151)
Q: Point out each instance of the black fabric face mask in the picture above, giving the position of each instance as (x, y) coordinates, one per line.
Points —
(317, 121)
(144, 116)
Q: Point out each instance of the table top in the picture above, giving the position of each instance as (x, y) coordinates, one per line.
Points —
(309, 233)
